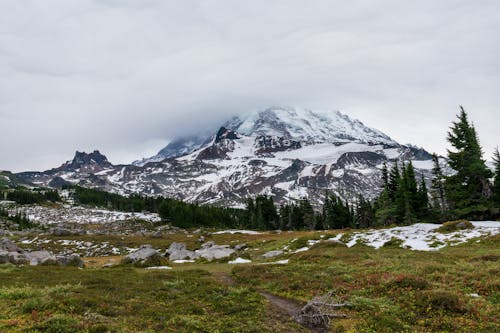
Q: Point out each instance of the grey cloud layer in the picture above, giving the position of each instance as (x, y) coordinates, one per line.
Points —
(124, 76)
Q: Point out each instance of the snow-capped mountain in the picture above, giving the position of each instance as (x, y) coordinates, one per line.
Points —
(282, 151)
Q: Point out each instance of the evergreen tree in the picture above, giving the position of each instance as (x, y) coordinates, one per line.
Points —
(394, 181)
(385, 177)
(438, 185)
(405, 196)
(307, 213)
(364, 214)
(411, 187)
(469, 187)
(422, 206)
(496, 182)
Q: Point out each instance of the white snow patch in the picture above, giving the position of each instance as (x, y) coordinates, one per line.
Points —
(239, 261)
(279, 262)
(246, 232)
(302, 249)
(422, 236)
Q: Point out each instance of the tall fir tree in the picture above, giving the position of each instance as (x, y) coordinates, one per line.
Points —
(495, 198)
(385, 177)
(423, 200)
(437, 187)
(364, 214)
(394, 181)
(469, 187)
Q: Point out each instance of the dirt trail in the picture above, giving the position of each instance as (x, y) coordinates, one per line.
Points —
(284, 304)
(280, 304)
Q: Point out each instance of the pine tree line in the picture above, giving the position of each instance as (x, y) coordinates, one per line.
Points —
(472, 191)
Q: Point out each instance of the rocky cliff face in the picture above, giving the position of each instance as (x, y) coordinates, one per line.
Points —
(285, 152)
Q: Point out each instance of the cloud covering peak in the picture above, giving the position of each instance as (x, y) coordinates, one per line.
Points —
(126, 76)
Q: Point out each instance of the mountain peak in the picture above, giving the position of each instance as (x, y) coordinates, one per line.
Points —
(297, 125)
(308, 125)
(87, 162)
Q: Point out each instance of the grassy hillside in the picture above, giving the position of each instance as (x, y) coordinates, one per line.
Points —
(391, 290)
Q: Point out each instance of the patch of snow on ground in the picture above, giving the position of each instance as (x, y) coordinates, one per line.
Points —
(302, 249)
(239, 261)
(422, 236)
(159, 267)
(246, 232)
(49, 215)
(279, 262)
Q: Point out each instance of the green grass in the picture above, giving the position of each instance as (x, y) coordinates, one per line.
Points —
(391, 289)
(394, 289)
(125, 299)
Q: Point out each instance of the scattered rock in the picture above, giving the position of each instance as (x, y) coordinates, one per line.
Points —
(212, 251)
(272, 254)
(178, 251)
(69, 260)
(8, 245)
(18, 258)
(4, 257)
(207, 245)
(143, 257)
(61, 232)
(239, 247)
(41, 258)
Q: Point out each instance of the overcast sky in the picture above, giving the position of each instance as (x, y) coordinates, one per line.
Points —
(124, 76)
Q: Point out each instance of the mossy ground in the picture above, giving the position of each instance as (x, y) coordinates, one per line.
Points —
(125, 299)
(391, 289)
(394, 289)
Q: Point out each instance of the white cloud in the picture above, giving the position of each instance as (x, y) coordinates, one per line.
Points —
(119, 75)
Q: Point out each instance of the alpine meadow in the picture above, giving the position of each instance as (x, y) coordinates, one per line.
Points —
(203, 196)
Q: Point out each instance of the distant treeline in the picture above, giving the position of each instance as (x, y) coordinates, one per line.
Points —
(175, 211)
(19, 218)
(24, 196)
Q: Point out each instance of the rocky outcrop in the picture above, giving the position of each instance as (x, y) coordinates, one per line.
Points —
(178, 251)
(272, 254)
(211, 251)
(145, 256)
(11, 253)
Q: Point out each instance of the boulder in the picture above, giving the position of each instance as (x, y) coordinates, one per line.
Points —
(9, 246)
(178, 251)
(272, 254)
(69, 260)
(212, 251)
(4, 257)
(239, 247)
(143, 257)
(18, 258)
(61, 232)
(41, 258)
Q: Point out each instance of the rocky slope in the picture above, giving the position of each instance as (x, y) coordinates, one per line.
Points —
(286, 152)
